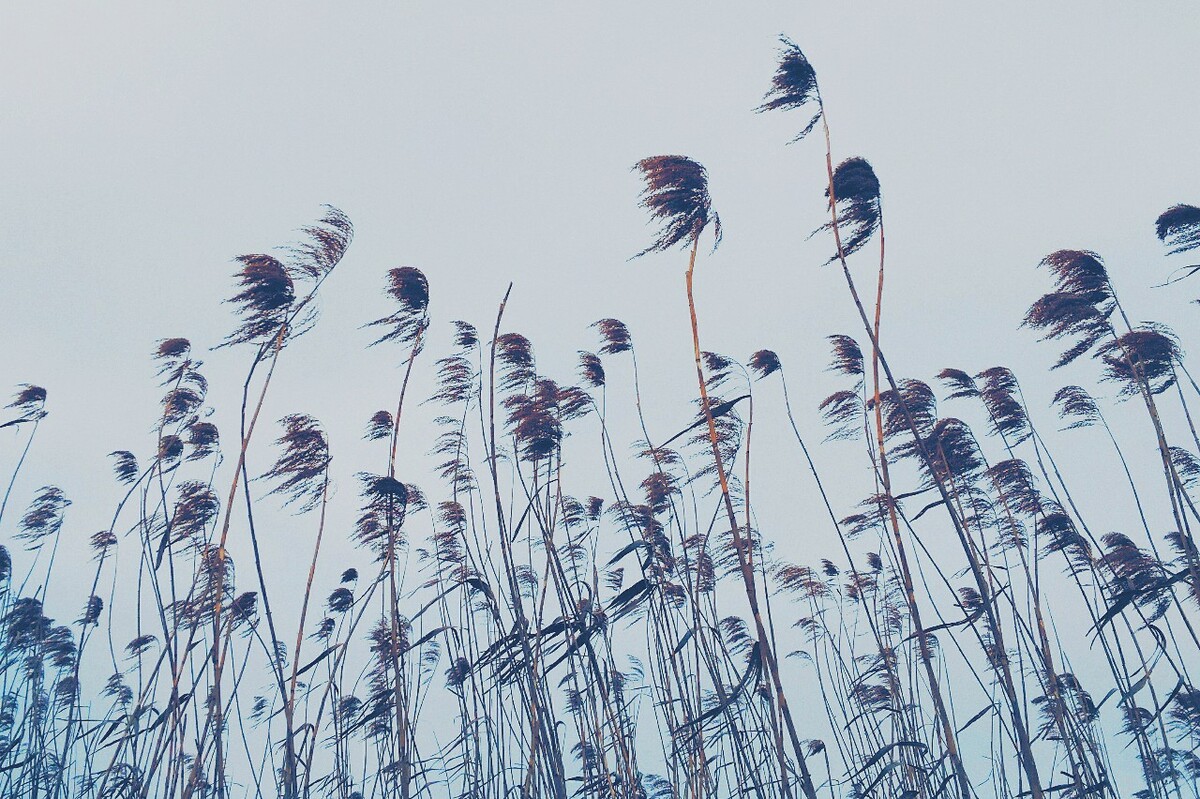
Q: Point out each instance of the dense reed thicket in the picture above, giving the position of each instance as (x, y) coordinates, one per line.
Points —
(622, 628)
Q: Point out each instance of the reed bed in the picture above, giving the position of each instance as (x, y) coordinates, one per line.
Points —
(552, 612)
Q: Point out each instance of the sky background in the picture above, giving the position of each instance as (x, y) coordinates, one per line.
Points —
(146, 145)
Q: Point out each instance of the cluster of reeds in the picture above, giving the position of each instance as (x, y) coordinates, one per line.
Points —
(625, 629)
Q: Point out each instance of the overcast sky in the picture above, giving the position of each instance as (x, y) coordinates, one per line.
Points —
(145, 145)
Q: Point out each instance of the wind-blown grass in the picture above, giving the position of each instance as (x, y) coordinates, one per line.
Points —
(624, 630)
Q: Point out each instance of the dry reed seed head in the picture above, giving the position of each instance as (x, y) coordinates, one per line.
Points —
(765, 363)
(28, 396)
(1186, 464)
(1014, 480)
(349, 576)
(125, 466)
(301, 472)
(1076, 406)
(29, 402)
(1079, 272)
(139, 645)
(92, 609)
(719, 368)
(914, 396)
(340, 600)
(1179, 228)
(44, 516)
(801, 580)
(379, 426)
(1147, 354)
(181, 402)
(659, 488)
(1061, 535)
(676, 195)
(244, 610)
(615, 335)
(1185, 716)
(960, 384)
(793, 86)
(847, 356)
(1136, 574)
(953, 453)
(265, 300)
(172, 349)
(195, 508)
(535, 420)
(102, 541)
(1066, 314)
(465, 335)
(856, 193)
(456, 376)
(594, 507)
(327, 243)
(170, 448)
(590, 369)
(842, 412)
(385, 503)
(1001, 396)
(515, 353)
(573, 403)
(408, 286)
(5, 564)
(204, 438)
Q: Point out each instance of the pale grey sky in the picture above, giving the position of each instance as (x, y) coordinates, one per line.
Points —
(143, 145)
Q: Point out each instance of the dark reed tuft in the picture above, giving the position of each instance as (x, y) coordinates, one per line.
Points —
(856, 195)
(125, 465)
(385, 502)
(536, 420)
(793, 86)
(1179, 228)
(847, 356)
(1076, 407)
(327, 243)
(615, 335)
(173, 348)
(764, 363)
(960, 384)
(44, 517)
(91, 611)
(408, 286)
(1144, 356)
(195, 508)
(300, 473)
(515, 353)
(204, 439)
(591, 369)
(914, 396)
(170, 448)
(465, 335)
(29, 402)
(1080, 305)
(676, 195)
(266, 298)
(842, 411)
(379, 426)
(456, 380)
(1186, 464)
(1000, 393)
